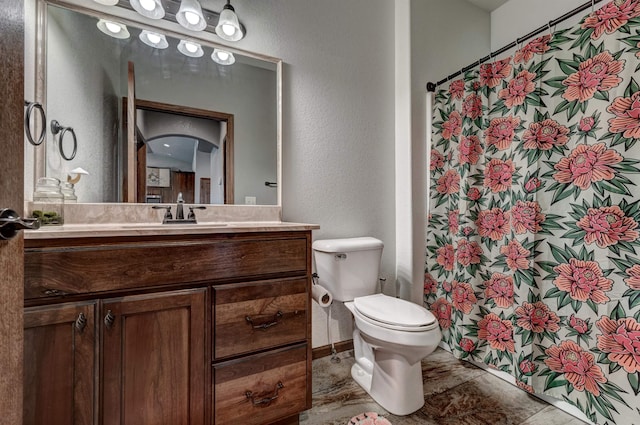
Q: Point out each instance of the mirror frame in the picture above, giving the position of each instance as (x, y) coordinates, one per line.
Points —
(130, 17)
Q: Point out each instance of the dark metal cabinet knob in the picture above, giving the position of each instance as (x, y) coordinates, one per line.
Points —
(81, 322)
(109, 319)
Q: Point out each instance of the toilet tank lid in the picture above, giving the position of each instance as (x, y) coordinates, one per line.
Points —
(347, 244)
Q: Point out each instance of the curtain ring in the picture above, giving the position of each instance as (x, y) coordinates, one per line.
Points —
(593, 6)
(57, 128)
(27, 120)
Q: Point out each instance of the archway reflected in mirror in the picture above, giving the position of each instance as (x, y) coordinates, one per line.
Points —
(183, 164)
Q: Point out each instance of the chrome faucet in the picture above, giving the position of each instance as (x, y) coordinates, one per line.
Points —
(179, 210)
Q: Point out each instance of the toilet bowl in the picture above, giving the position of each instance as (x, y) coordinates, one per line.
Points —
(390, 338)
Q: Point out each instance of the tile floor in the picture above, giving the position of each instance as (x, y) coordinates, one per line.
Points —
(456, 393)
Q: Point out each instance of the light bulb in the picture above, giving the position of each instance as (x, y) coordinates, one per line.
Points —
(148, 4)
(192, 18)
(190, 47)
(229, 29)
(114, 28)
(154, 38)
(222, 57)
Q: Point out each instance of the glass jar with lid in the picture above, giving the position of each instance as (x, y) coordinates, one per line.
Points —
(69, 193)
(48, 202)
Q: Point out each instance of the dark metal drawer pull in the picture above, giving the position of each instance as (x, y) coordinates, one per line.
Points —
(264, 402)
(53, 292)
(265, 325)
(81, 322)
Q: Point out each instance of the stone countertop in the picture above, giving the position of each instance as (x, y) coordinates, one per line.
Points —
(151, 229)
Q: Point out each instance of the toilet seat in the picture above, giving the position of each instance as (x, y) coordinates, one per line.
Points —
(394, 313)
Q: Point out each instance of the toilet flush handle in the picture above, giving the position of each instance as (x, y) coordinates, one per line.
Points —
(341, 256)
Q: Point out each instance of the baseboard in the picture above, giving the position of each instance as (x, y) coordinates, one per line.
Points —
(325, 350)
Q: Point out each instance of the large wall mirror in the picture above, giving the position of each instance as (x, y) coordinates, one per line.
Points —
(206, 130)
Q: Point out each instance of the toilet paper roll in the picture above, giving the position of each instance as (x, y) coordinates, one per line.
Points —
(321, 296)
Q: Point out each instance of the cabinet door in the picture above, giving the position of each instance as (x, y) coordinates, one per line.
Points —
(154, 362)
(59, 364)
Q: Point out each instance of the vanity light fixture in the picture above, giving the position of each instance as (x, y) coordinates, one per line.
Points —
(228, 27)
(190, 15)
(107, 2)
(223, 57)
(148, 8)
(191, 49)
(159, 41)
(113, 29)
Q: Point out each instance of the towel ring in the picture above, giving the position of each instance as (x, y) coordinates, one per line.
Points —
(57, 128)
(27, 120)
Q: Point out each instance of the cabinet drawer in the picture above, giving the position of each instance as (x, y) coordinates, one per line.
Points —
(106, 266)
(262, 388)
(259, 315)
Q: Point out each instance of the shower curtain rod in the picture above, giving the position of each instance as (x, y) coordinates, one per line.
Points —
(432, 86)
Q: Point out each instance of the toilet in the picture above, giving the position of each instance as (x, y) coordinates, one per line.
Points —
(391, 336)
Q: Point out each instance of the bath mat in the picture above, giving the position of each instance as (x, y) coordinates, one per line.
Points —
(368, 418)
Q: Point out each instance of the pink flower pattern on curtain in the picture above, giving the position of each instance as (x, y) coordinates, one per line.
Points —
(533, 250)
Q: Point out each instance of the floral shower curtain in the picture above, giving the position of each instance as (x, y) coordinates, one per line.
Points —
(533, 251)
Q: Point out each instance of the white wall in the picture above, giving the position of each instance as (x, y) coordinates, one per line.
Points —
(203, 170)
(87, 102)
(517, 18)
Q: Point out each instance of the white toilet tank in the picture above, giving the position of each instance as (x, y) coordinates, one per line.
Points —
(348, 268)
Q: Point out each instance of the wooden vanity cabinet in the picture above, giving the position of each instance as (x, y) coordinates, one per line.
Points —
(153, 359)
(193, 330)
(59, 364)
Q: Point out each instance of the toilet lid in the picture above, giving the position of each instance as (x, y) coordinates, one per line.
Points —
(394, 311)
